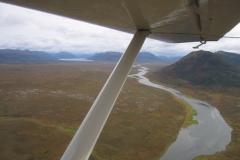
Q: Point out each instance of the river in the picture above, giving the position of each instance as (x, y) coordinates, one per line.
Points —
(211, 135)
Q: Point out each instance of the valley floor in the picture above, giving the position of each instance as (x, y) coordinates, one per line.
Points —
(43, 104)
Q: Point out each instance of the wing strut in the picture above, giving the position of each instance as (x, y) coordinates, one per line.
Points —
(85, 138)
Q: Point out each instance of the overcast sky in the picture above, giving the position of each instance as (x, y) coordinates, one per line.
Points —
(22, 28)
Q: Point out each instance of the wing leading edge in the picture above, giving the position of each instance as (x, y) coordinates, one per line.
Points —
(170, 21)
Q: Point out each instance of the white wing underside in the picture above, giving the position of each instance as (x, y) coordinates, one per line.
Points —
(168, 20)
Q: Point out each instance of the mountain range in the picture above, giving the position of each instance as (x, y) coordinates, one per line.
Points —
(67, 55)
(11, 55)
(115, 56)
(204, 68)
(106, 56)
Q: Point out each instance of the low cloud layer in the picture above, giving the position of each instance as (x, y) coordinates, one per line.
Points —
(28, 29)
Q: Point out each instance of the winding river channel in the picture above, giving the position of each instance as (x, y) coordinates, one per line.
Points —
(211, 135)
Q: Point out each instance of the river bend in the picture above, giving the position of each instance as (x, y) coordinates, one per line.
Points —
(211, 135)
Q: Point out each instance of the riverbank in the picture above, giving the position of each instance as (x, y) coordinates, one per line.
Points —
(227, 101)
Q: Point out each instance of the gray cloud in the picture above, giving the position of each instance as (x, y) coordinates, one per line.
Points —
(12, 21)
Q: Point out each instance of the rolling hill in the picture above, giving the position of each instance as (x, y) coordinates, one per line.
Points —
(203, 68)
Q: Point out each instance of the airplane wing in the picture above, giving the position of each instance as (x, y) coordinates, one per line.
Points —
(170, 21)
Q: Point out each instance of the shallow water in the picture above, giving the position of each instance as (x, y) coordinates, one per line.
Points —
(211, 135)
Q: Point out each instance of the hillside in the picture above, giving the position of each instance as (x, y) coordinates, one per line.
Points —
(115, 56)
(233, 58)
(11, 55)
(203, 68)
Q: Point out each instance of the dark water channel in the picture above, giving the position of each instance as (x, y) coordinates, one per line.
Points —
(211, 135)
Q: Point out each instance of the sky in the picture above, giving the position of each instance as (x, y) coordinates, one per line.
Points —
(22, 28)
